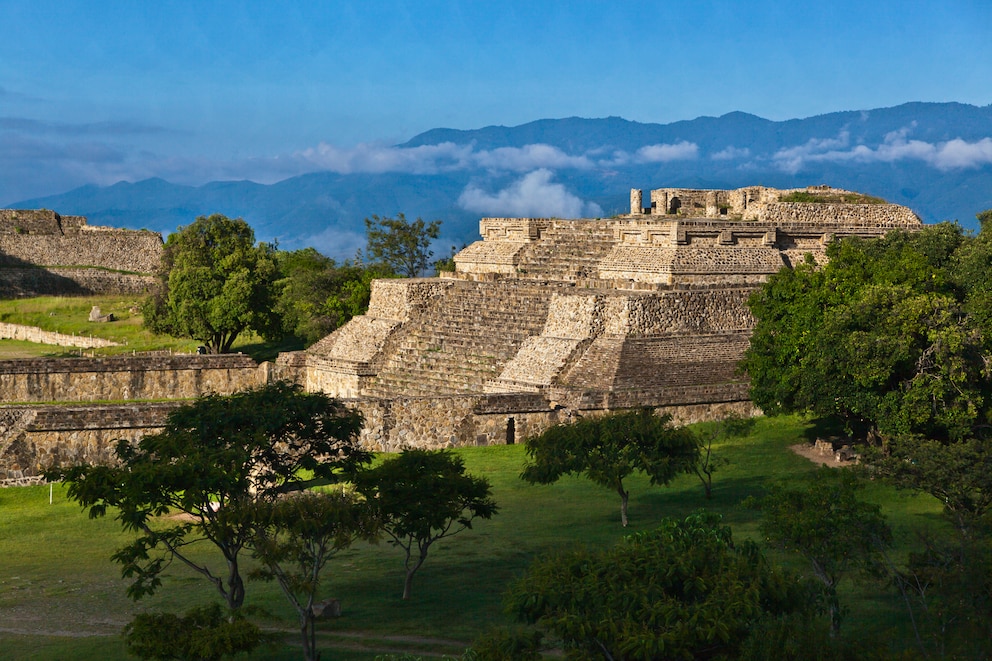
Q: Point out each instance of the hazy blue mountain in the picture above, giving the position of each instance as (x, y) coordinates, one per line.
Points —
(326, 209)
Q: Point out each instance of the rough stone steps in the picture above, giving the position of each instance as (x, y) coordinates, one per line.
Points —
(462, 340)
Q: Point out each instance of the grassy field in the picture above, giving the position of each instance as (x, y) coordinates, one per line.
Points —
(61, 597)
(70, 315)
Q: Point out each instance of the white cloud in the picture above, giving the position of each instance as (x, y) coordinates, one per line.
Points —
(528, 157)
(533, 195)
(731, 153)
(660, 153)
(950, 155)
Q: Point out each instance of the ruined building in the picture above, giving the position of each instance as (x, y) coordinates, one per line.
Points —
(544, 318)
(44, 253)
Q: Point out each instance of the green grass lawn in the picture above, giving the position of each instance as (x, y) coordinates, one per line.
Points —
(56, 578)
(70, 315)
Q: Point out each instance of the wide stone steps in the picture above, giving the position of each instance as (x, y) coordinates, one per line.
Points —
(462, 341)
(566, 255)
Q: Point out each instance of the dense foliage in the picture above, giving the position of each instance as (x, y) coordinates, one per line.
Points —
(316, 295)
(686, 590)
(609, 448)
(888, 336)
(214, 284)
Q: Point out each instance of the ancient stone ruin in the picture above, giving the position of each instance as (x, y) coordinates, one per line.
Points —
(544, 319)
(44, 253)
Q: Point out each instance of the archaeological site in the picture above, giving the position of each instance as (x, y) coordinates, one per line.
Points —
(542, 320)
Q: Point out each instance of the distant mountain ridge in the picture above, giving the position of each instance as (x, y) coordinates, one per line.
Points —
(933, 157)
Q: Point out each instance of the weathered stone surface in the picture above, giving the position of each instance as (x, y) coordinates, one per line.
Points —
(544, 320)
(44, 253)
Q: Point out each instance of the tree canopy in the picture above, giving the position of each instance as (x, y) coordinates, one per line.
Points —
(214, 284)
(609, 448)
(888, 336)
(826, 523)
(400, 244)
(421, 496)
(686, 590)
(316, 295)
(214, 461)
(296, 537)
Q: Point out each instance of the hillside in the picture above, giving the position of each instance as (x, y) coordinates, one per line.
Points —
(933, 157)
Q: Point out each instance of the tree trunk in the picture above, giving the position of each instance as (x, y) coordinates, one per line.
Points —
(410, 571)
(235, 586)
(309, 632)
(624, 495)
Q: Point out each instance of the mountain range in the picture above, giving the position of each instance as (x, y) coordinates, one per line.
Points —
(935, 158)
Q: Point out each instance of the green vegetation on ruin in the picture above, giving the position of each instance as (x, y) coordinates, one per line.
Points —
(56, 577)
(831, 198)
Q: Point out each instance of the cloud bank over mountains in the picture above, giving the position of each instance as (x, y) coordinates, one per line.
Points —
(935, 158)
(947, 155)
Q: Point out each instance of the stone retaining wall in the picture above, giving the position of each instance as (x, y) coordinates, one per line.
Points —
(43, 253)
(119, 378)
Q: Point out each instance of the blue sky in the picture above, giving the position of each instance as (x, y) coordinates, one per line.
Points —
(97, 92)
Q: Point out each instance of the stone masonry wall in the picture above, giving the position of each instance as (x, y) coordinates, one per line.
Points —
(33, 439)
(23, 282)
(119, 378)
(121, 250)
(43, 253)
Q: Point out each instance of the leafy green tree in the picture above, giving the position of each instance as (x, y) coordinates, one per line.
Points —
(947, 589)
(215, 283)
(204, 633)
(214, 461)
(296, 537)
(609, 448)
(402, 245)
(686, 590)
(316, 295)
(422, 496)
(958, 475)
(826, 523)
(880, 338)
(726, 428)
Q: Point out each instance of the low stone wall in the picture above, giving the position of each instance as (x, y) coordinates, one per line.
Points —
(119, 378)
(33, 440)
(26, 282)
(35, 334)
(887, 216)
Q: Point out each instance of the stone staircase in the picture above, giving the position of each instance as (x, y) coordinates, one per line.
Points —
(462, 339)
(568, 251)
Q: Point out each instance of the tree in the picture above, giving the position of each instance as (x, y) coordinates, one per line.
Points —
(295, 538)
(214, 284)
(316, 295)
(880, 338)
(729, 427)
(402, 245)
(199, 479)
(607, 449)
(824, 522)
(422, 496)
(686, 590)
